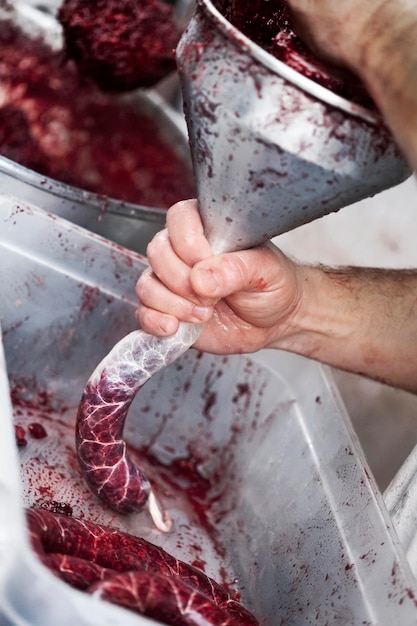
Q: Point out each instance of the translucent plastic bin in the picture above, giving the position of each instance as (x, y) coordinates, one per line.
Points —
(401, 501)
(290, 515)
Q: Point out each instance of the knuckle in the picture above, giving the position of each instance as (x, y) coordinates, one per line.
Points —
(143, 286)
(140, 316)
(236, 267)
(157, 243)
(146, 319)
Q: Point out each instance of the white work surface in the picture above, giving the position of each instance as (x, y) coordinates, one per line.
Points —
(380, 232)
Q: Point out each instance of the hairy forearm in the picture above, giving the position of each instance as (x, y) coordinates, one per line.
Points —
(387, 62)
(376, 39)
(359, 320)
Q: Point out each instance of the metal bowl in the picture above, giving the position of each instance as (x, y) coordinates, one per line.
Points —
(128, 224)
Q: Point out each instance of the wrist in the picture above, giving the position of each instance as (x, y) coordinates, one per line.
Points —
(319, 323)
(360, 320)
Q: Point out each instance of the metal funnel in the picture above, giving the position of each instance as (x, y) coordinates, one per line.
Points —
(271, 149)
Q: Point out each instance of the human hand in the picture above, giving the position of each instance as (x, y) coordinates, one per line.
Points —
(339, 31)
(355, 319)
(376, 40)
(246, 299)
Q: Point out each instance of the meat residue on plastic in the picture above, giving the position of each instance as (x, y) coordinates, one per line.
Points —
(55, 124)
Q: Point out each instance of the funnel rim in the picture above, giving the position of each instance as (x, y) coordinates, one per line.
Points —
(284, 71)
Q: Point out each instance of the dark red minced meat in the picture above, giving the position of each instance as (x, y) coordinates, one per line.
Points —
(120, 44)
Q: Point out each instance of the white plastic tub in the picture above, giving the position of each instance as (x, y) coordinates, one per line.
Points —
(401, 501)
(291, 516)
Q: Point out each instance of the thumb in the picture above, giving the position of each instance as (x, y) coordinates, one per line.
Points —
(249, 270)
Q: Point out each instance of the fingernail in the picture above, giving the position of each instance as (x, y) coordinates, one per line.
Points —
(201, 313)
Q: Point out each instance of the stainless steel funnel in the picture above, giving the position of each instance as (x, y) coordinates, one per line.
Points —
(271, 151)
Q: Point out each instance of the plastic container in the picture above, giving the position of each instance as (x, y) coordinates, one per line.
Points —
(289, 514)
(401, 500)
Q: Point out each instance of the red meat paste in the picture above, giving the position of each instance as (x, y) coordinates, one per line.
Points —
(120, 44)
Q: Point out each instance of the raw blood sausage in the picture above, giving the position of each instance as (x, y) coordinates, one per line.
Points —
(101, 450)
(130, 571)
(166, 599)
